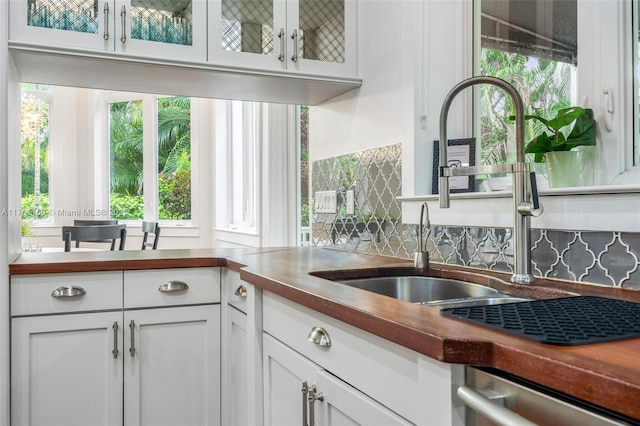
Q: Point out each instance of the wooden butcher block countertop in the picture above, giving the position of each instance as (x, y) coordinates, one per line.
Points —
(605, 374)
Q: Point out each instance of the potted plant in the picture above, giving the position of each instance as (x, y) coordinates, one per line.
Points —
(564, 163)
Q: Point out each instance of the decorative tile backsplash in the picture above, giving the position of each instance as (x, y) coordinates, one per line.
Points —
(375, 226)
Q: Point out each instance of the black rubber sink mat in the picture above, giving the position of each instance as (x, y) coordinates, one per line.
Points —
(566, 321)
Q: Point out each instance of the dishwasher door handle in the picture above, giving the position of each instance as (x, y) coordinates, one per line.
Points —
(496, 413)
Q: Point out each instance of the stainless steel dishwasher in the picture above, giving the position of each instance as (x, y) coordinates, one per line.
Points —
(490, 397)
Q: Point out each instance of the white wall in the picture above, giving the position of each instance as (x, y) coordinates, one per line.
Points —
(9, 198)
(4, 206)
(381, 112)
(411, 53)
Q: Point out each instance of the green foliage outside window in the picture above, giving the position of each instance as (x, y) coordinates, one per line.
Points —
(174, 190)
(126, 207)
(174, 159)
(545, 87)
(34, 128)
(33, 212)
(304, 165)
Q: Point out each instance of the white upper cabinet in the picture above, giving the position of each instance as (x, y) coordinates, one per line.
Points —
(314, 37)
(172, 29)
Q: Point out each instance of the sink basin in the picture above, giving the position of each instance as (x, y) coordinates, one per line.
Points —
(426, 290)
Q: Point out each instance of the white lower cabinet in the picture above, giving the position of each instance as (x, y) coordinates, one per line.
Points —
(241, 397)
(171, 366)
(235, 408)
(364, 379)
(128, 364)
(64, 371)
(298, 391)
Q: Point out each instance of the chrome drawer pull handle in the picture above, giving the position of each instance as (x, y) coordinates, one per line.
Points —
(294, 37)
(319, 336)
(305, 396)
(496, 413)
(123, 16)
(132, 349)
(173, 286)
(281, 36)
(241, 292)
(106, 21)
(115, 340)
(68, 291)
(314, 396)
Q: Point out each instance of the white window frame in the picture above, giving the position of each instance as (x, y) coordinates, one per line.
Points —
(150, 158)
(612, 61)
(232, 213)
(608, 65)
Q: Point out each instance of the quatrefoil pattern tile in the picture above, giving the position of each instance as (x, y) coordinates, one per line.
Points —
(603, 258)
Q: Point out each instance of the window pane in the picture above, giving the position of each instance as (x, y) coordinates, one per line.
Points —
(243, 165)
(304, 175)
(34, 126)
(533, 46)
(174, 158)
(125, 156)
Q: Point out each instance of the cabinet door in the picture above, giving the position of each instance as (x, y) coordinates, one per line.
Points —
(248, 33)
(172, 30)
(285, 371)
(241, 351)
(74, 23)
(172, 366)
(344, 405)
(234, 370)
(290, 379)
(322, 37)
(64, 370)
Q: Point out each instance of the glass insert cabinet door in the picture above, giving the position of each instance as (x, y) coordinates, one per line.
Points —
(316, 36)
(174, 29)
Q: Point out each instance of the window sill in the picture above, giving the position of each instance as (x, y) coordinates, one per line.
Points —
(237, 237)
(603, 208)
(251, 232)
(584, 191)
(133, 230)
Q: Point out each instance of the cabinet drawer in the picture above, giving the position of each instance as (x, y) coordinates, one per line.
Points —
(33, 294)
(171, 287)
(385, 371)
(236, 291)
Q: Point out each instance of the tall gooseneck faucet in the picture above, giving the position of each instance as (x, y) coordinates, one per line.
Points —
(522, 178)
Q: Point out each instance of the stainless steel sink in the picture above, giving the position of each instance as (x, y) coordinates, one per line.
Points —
(429, 290)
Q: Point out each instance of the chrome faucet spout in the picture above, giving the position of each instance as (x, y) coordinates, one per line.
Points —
(523, 207)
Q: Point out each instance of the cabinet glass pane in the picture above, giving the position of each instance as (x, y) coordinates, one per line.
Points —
(70, 15)
(247, 26)
(164, 21)
(322, 33)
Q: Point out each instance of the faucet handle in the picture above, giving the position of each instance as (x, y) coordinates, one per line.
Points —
(534, 208)
(534, 191)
